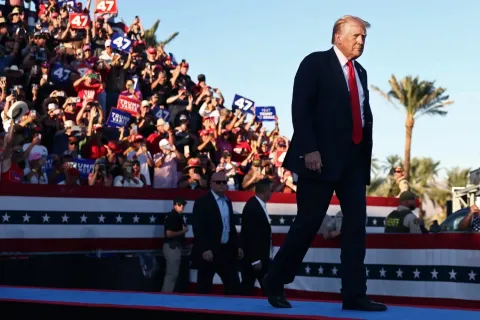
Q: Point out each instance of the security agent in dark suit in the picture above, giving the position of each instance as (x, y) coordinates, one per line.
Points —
(256, 236)
(330, 152)
(215, 248)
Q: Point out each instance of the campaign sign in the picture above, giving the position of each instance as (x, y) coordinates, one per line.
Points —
(78, 20)
(106, 6)
(84, 166)
(265, 113)
(174, 61)
(48, 165)
(136, 83)
(70, 3)
(118, 118)
(60, 73)
(121, 43)
(161, 114)
(82, 69)
(244, 104)
(131, 105)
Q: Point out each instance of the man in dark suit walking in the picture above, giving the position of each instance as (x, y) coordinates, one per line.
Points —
(331, 152)
(256, 236)
(215, 248)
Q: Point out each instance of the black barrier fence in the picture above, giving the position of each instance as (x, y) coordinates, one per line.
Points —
(113, 272)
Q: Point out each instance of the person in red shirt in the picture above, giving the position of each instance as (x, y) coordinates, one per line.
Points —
(88, 87)
(11, 170)
(241, 148)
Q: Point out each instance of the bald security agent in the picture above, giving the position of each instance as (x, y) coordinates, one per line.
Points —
(331, 151)
(215, 249)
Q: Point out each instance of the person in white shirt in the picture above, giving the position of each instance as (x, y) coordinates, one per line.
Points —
(127, 180)
(35, 174)
(143, 156)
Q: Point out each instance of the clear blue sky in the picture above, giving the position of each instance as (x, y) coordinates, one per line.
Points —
(253, 48)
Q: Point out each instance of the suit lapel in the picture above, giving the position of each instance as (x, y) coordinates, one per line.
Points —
(215, 205)
(363, 80)
(262, 212)
(361, 75)
(338, 74)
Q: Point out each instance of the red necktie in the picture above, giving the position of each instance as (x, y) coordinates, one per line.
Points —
(355, 102)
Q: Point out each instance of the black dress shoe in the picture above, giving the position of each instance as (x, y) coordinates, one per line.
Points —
(275, 295)
(363, 304)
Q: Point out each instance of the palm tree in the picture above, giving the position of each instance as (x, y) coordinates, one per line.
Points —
(417, 98)
(391, 163)
(375, 166)
(151, 38)
(375, 187)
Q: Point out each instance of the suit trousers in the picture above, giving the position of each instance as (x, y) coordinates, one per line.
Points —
(313, 200)
(173, 259)
(249, 276)
(225, 264)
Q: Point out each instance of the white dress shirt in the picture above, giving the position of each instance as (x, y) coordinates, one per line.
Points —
(225, 213)
(264, 206)
(343, 62)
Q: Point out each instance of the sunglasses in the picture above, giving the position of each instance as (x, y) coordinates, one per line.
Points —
(179, 204)
(221, 182)
(398, 171)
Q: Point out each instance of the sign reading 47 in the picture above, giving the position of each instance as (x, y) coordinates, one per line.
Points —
(79, 20)
(106, 6)
(244, 104)
(121, 43)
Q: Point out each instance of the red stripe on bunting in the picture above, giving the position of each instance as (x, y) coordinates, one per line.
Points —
(453, 241)
(48, 191)
(461, 241)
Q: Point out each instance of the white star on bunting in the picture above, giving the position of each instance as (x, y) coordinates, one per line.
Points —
(282, 221)
(83, 219)
(416, 274)
(384, 222)
(383, 273)
(320, 270)
(453, 274)
(434, 274)
(135, 219)
(26, 218)
(152, 219)
(471, 275)
(374, 222)
(399, 273)
(65, 218)
(46, 218)
(307, 270)
(101, 219)
(367, 272)
(6, 217)
(334, 271)
(119, 219)
(269, 219)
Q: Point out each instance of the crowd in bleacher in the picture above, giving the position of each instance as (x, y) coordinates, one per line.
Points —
(87, 102)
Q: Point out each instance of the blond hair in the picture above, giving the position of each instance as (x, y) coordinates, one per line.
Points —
(337, 27)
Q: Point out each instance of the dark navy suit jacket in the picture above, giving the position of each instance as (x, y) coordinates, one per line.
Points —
(322, 118)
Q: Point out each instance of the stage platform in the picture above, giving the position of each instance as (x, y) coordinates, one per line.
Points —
(73, 304)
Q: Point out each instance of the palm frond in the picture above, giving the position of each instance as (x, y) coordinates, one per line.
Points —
(169, 39)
